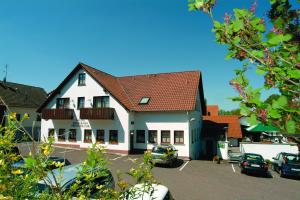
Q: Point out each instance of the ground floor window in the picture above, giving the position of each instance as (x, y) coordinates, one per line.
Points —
(165, 137)
(113, 137)
(152, 136)
(140, 136)
(72, 135)
(87, 136)
(100, 136)
(51, 133)
(61, 134)
(178, 137)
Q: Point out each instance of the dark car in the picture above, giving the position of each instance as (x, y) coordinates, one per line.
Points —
(21, 163)
(253, 163)
(287, 164)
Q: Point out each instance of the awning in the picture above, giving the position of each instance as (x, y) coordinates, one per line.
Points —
(262, 128)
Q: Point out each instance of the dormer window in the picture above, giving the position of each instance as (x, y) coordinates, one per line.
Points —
(144, 100)
(81, 79)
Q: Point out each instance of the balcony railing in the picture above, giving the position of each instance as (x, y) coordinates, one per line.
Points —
(60, 114)
(97, 113)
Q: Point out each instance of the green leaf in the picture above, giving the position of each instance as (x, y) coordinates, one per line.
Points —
(294, 73)
(217, 25)
(290, 126)
(259, 54)
(252, 120)
(237, 25)
(273, 113)
(29, 162)
(298, 57)
(260, 71)
(245, 111)
(282, 101)
(287, 37)
(275, 39)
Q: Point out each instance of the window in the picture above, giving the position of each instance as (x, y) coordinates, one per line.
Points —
(178, 137)
(18, 116)
(140, 136)
(152, 136)
(61, 134)
(72, 135)
(101, 102)
(80, 102)
(208, 113)
(87, 136)
(100, 136)
(81, 79)
(62, 103)
(113, 137)
(144, 100)
(165, 137)
(51, 133)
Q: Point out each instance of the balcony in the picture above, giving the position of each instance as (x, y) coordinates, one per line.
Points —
(60, 114)
(97, 113)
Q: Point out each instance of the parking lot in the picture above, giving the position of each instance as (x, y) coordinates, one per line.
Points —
(195, 180)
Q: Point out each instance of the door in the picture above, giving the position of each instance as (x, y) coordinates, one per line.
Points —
(131, 148)
(209, 149)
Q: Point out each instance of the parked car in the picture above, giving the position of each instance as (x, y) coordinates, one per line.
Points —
(21, 163)
(157, 192)
(287, 164)
(254, 163)
(68, 176)
(234, 156)
(164, 154)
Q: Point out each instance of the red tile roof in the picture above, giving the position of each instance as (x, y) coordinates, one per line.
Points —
(167, 91)
(234, 127)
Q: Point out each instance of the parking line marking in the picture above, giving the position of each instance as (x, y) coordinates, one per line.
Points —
(232, 168)
(184, 166)
(116, 158)
(67, 151)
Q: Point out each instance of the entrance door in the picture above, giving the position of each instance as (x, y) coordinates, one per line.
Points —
(209, 149)
(131, 142)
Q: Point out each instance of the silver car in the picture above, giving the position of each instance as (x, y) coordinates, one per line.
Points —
(164, 154)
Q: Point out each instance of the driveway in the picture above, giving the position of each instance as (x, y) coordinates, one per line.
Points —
(195, 180)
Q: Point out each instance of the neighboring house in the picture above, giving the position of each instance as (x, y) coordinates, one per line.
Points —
(22, 99)
(219, 127)
(125, 114)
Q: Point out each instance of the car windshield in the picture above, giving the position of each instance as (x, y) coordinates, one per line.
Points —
(253, 157)
(293, 158)
(160, 150)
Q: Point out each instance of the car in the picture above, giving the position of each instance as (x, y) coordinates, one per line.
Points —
(68, 175)
(253, 163)
(155, 191)
(234, 156)
(287, 164)
(164, 154)
(21, 163)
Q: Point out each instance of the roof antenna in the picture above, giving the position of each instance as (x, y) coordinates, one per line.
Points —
(5, 76)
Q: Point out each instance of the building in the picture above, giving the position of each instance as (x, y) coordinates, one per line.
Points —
(22, 99)
(125, 114)
(219, 127)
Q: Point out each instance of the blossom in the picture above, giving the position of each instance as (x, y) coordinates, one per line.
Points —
(17, 171)
(263, 114)
(227, 18)
(253, 7)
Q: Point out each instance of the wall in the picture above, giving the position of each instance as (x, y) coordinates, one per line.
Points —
(163, 121)
(92, 88)
(28, 123)
(268, 151)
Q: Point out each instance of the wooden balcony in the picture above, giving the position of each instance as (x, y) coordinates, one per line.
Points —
(60, 114)
(97, 113)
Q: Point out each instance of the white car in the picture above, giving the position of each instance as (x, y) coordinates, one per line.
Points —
(142, 192)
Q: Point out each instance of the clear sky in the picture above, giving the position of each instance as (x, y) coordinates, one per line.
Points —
(42, 41)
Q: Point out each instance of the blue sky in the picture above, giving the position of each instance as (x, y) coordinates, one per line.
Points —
(42, 41)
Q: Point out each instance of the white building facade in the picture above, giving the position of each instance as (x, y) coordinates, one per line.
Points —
(90, 107)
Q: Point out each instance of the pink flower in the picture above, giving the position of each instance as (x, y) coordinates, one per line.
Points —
(262, 21)
(263, 114)
(227, 18)
(253, 7)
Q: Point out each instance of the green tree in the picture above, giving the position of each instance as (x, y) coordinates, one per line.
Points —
(230, 112)
(275, 53)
